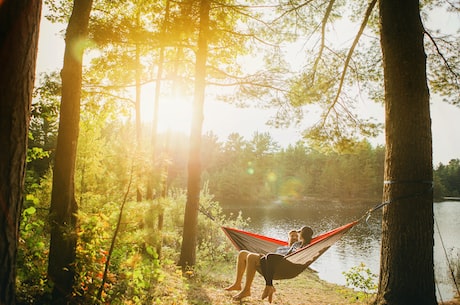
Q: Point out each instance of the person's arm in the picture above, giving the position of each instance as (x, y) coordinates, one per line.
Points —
(294, 247)
(283, 250)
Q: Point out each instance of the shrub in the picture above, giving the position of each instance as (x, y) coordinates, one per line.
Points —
(361, 278)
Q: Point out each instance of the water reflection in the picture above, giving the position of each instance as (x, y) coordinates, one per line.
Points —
(447, 244)
(362, 243)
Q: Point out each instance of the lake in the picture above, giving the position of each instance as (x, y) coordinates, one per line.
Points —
(362, 243)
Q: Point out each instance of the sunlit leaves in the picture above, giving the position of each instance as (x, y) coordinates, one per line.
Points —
(35, 153)
(32, 256)
(59, 10)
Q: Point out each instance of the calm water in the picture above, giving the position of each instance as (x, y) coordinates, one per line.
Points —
(362, 243)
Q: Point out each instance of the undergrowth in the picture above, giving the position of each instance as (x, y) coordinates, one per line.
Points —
(142, 252)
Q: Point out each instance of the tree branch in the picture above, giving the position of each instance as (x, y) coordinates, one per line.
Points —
(446, 62)
(114, 237)
(323, 36)
(294, 9)
(349, 55)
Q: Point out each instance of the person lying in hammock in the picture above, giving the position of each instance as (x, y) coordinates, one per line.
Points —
(266, 264)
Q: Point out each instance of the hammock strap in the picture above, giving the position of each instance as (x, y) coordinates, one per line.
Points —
(380, 205)
(207, 213)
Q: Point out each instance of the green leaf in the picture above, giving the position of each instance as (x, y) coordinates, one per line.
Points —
(30, 210)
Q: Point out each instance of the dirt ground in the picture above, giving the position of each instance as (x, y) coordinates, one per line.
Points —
(305, 289)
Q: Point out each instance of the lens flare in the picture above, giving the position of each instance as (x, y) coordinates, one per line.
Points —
(79, 45)
(250, 170)
(271, 177)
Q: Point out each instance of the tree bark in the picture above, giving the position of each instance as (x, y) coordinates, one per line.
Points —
(19, 28)
(406, 267)
(189, 237)
(63, 210)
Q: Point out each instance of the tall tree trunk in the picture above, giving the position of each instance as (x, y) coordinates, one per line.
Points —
(138, 74)
(189, 237)
(19, 28)
(63, 210)
(406, 272)
(156, 101)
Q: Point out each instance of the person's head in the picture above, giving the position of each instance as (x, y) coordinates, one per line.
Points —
(305, 234)
(293, 237)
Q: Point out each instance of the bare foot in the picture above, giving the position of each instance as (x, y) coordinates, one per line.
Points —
(268, 292)
(241, 295)
(233, 287)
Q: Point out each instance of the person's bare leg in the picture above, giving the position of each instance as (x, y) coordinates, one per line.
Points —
(253, 261)
(240, 268)
(268, 292)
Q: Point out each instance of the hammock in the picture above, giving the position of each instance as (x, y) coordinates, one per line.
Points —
(294, 263)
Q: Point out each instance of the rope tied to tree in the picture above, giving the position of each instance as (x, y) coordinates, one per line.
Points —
(380, 205)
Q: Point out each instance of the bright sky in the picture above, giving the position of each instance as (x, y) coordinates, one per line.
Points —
(224, 119)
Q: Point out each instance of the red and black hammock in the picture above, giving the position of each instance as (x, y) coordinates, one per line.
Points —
(294, 263)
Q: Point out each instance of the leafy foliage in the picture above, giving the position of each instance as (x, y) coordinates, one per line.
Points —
(44, 124)
(32, 287)
(447, 179)
(136, 262)
(361, 278)
(135, 266)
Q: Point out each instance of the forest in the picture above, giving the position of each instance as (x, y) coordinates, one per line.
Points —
(100, 206)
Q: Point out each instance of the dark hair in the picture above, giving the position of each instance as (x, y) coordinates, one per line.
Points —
(306, 233)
